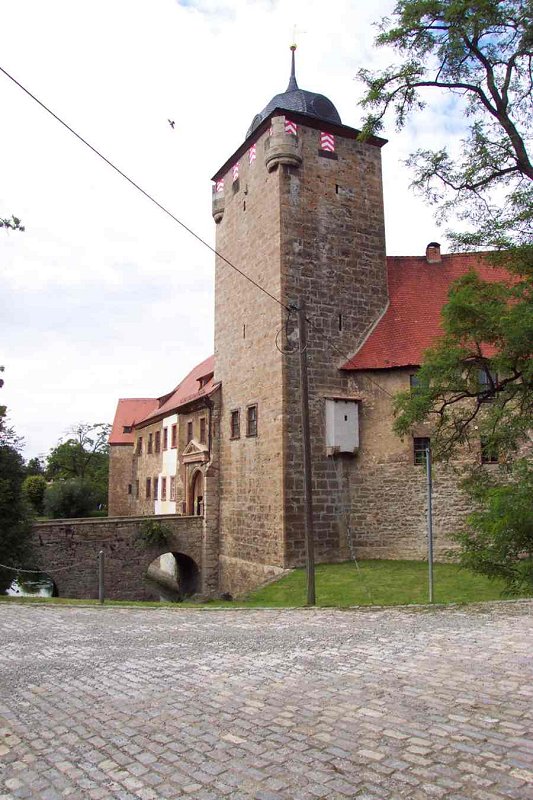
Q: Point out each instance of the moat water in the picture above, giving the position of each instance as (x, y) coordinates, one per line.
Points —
(37, 585)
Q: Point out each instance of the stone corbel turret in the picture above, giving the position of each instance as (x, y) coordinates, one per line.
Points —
(282, 147)
(217, 209)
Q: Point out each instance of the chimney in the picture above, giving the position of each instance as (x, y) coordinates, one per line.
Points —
(433, 255)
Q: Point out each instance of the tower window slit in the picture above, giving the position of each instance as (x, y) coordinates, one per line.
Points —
(340, 322)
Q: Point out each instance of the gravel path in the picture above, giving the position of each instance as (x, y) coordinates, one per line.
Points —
(266, 704)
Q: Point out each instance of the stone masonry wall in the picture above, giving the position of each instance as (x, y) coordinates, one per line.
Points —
(249, 364)
(120, 501)
(67, 550)
(384, 508)
(333, 256)
(146, 465)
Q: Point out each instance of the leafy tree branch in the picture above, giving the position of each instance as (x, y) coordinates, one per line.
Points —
(480, 51)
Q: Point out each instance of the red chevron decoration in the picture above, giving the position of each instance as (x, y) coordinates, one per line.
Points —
(291, 127)
(252, 153)
(327, 142)
(235, 171)
(219, 186)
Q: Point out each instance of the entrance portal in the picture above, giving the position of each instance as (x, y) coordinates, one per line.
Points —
(196, 499)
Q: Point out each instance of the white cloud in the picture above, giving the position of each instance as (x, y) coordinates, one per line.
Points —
(104, 296)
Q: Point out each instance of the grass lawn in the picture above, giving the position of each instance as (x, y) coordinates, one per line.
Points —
(382, 583)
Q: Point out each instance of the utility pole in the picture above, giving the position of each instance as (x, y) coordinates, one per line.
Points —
(306, 442)
(430, 522)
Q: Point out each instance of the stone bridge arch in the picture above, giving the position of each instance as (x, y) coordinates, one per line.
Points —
(68, 551)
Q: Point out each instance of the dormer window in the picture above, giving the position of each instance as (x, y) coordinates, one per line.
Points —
(127, 428)
(203, 380)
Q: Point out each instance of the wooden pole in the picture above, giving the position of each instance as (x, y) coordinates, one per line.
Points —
(306, 442)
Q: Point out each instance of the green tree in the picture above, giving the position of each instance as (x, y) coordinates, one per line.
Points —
(499, 539)
(476, 382)
(67, 499)
(35, 466)
(83, 456)
(14, 517)
(478, 51)
(33, 489)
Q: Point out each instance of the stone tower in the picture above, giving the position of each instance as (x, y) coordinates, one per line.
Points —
(299, 209)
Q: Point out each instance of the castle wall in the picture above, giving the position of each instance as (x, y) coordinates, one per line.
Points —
(120, 501)
(146, 465)
(385, 508)
(333, 256)
(250, 367)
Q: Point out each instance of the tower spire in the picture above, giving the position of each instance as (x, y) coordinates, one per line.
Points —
(293, 86)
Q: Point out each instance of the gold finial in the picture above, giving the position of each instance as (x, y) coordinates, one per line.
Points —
(293, 45)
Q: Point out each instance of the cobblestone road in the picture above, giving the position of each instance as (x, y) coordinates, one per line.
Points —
(374, 705)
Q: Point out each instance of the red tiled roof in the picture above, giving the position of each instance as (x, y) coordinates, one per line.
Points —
(129, 411)
(185, 392)
(417, 293)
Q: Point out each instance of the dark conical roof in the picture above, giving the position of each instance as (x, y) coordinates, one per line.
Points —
(296, 99)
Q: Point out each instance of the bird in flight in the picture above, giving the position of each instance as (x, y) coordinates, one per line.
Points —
(171, 123)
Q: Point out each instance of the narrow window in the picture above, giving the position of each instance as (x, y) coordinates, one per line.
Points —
(489, 453)
(172, 487)
(488, 382)
(158, 441)
(340, 322)
(189, 431)
(150, 442)
(156, 486)
(163, 488)
(244, 331)
(420, 445)
(137, 489)
(130, 488)
(165, 438)
(251, 421)
(244, 205)
(414, 381)
(202, 430)
(235, 425)
(174, 437)
(148, 488)
(140, 446)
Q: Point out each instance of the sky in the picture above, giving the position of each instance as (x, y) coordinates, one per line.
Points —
(103, 296)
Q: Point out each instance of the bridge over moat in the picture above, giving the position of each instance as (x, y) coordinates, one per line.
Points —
(67, 550)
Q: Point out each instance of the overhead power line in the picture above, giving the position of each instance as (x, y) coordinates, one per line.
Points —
(140, 189)
(164, 209)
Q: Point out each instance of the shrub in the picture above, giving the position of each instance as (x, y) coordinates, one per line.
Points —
(68, 499)
(153, 532)
(499, 538)
(33, 489)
